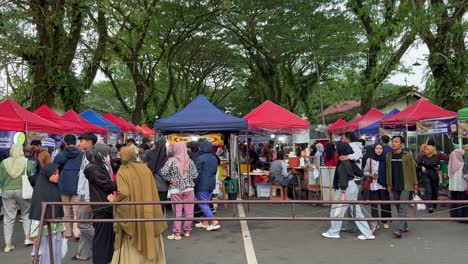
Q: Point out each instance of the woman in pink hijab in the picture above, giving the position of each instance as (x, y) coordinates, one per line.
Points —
(457, 183)
(180, 172)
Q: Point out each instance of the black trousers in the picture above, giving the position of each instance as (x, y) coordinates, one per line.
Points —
(459, 210)
(103, 242)
(385, 209)
(431, 186)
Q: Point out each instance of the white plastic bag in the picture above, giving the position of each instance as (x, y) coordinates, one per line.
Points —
(26, 188)
(64, 247)
(419, 207)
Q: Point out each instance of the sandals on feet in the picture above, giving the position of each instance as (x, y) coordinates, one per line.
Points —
(174, 237)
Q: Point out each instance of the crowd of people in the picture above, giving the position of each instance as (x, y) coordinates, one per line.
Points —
(87, 171)
(384, 171)
(389, 171)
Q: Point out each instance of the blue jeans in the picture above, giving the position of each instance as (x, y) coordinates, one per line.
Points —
(205, 196)
(286, 180)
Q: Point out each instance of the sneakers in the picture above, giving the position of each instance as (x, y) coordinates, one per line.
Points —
(213, 227)
(8, 248)
(386, 226)
(363, 237)
(28, 242)
(327, 235)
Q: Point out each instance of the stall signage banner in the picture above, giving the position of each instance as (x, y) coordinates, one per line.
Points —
(392, 132)
(112, 138)
(48, 140)
(6, 139)
(436, 126)
(215, 138)
(463, 127)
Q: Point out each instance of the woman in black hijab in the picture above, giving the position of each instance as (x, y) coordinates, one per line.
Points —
(46, 190)
(346, 189)
(155, 160)
(100, 186)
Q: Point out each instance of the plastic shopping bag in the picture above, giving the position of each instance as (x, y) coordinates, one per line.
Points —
(64, 247)
(419, 207)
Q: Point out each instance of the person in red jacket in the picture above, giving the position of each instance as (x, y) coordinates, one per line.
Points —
(330, 156)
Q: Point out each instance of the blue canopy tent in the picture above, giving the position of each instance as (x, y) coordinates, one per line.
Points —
(200, 115)
(373, 128)
(97, 119)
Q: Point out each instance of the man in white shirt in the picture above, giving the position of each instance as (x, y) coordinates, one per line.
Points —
(87, 142)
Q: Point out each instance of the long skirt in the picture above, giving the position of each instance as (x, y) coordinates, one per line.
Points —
(128, 254)
(44, 249)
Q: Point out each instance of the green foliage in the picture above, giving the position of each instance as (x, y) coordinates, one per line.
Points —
(157, 55)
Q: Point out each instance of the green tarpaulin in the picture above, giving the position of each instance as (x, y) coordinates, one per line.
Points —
(463, 114)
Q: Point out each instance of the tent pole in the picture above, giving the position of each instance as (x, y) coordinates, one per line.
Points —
(229, 157)
(239, 195)
(248, 169)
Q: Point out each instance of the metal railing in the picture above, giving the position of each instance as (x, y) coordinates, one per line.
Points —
(293, 216)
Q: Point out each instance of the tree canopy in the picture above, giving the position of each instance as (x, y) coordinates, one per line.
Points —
(152, 57)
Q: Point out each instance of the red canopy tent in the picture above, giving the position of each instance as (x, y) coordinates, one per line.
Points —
(8, 124)
(338, 123)
(130, 125)
(90, 127)
(368, 118)
(30, 122)
(124, 127)
(420, 110)
(141, 130)
(67, 126)
(148, 130)
(270, 116)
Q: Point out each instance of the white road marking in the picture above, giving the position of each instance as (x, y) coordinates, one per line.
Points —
(248, 244)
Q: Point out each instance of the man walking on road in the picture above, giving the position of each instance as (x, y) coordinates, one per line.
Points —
(87, 142)
(401, 180)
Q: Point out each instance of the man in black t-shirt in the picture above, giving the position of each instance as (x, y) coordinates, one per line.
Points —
(401, 180)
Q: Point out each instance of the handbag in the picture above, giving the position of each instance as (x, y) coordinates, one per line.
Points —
(366, 185)
(26, 188)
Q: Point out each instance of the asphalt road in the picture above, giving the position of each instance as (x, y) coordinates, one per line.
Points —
(299, 242)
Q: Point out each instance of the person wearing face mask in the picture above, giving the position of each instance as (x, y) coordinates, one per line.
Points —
(47, 190)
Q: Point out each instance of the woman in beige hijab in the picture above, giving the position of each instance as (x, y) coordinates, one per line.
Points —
(11, 171)
(137, 242)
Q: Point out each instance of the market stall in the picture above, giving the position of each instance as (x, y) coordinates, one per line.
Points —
(95, 118)
(462, 116)
(74, 117)
(24, 125)
(201, 117)
(30, 121)
(67, 126)
(363, 121)
(272, 119)
(405, 122)
(373, 129)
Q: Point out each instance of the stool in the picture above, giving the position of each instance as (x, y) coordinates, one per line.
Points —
(274, 189)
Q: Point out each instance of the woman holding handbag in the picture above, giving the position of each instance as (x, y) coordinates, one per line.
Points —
(375, 183)
(14, 173)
